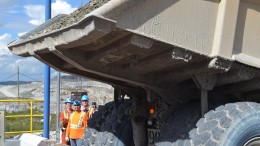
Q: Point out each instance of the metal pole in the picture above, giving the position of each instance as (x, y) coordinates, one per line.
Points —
(204, 102)
(2, 125)
(18, 84)
(46, 125)
(31, 117)
(81, 85)
(77, 86)
(58, 109)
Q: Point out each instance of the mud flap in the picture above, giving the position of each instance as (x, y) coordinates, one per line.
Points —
(152, 135)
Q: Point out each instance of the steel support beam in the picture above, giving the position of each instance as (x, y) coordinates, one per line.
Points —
(138, 119)
(225, 30)
(205, 82)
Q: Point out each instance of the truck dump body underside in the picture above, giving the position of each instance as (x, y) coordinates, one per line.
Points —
(161, 46)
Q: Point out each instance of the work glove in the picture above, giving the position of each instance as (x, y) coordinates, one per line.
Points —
(63, 129)
(67, 138)
(65, 123)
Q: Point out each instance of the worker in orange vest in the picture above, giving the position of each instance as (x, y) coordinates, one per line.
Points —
(64, 118)
(86, 107)
(76, 125)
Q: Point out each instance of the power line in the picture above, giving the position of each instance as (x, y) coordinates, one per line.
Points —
(30, 77)
(8, 77)
(20, 74)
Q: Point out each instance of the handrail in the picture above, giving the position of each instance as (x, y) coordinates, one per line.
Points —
(31, 115)
(22, 100)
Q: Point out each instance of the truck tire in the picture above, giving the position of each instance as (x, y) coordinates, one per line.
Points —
(110, 126)
(230, 125)
(233, 124)
(178, 123)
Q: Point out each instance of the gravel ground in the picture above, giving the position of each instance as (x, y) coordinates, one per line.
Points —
(98, 92)
(52, 135)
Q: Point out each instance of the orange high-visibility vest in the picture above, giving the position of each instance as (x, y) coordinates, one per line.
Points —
(76, 125)
(65, 115)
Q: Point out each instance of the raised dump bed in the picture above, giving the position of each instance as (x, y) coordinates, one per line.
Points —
(169, 52)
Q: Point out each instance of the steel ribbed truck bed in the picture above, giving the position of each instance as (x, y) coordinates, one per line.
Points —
(167, 53)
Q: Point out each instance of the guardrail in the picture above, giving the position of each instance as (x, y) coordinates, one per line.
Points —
(31, 115)
(2, 124)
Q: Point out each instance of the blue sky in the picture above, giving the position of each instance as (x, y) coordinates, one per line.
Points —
(18, 17)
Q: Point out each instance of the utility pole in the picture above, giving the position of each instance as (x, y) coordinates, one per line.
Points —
(78, 86)
(18, 84)
(58, 109)
(81, 85)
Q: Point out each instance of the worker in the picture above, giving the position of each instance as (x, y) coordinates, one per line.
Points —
(76, 125)
(86, 107)
(64, 118)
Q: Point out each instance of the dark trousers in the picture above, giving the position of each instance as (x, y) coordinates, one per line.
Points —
(76, 142)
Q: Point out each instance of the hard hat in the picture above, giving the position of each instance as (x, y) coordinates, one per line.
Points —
(69, 100)
(84, 97)
(76, 103)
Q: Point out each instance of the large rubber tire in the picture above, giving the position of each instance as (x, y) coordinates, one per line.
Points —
(110, 126)
(230, 125)
(178, 123)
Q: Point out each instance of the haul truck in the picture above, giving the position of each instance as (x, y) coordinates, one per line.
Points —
(184, 72)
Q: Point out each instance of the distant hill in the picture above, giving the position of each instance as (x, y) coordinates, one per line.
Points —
(69, 78)
(14, 82)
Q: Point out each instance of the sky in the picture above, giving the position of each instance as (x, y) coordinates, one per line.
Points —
(18, 17)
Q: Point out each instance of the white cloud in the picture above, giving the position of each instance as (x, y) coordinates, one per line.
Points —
(4, 39)
(61, 7)
(28, 66)
(37, 12)
(35, 67)
(10, 62)
(35, 22)
(21, 33)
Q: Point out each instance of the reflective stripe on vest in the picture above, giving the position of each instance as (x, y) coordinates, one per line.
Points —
(75, 126)
(66, 115)
(81, 118)
(79, 123)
